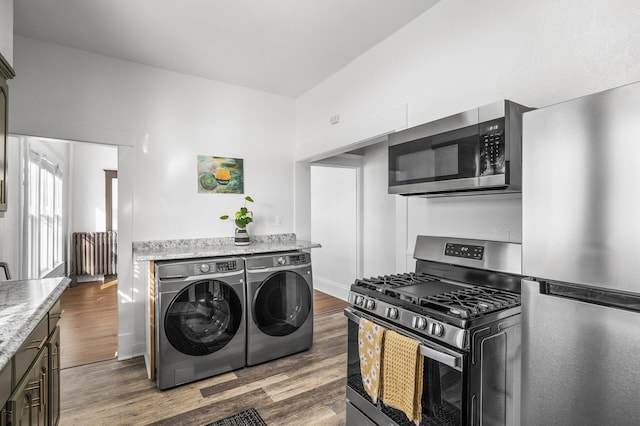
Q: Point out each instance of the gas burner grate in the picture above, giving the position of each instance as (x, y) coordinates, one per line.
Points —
(383, 284)
(471, 302)
(463, 303)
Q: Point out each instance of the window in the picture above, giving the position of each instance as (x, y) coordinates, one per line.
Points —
(43, 196)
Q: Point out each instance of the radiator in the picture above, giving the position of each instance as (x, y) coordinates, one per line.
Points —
(94, 253)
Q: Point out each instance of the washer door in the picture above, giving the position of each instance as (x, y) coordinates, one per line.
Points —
(282, 304)
(203, 318)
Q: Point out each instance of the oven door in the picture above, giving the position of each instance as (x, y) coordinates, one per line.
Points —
(443, 382)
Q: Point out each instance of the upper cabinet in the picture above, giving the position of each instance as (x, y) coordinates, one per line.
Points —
(6, 73)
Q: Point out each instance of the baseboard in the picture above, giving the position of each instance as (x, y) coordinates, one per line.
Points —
(332, 288)
(147, 365)
(89, 278)
(125, 347)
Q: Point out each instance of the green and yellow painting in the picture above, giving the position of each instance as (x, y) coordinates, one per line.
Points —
(220, 175)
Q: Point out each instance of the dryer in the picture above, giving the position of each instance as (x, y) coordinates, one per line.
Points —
(200, 319)
(279, 305)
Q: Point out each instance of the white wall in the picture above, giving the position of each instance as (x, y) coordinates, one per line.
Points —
(375, 224)
(462, 54)
(169, 118)
(6, 29)
(335, 224)
(88, 185)
(378, 214)
(164, 120)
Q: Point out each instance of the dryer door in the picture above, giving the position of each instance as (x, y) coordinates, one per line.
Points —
(282, 304)
(203, 317)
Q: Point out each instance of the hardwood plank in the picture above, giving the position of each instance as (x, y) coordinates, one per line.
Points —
(89, 324)
(215, 411)
(323, 303)
(118, 392)
(331, 397)
(318, 374)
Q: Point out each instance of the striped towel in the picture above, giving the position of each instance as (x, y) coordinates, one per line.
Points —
(402, 371)
(370, 346)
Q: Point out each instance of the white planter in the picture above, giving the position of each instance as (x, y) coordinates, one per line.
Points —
(242, 237)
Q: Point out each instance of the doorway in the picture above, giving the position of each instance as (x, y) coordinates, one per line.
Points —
(336, 224)
(68, 178)
(90, 325)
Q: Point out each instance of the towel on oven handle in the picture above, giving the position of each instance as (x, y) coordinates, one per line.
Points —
(402, 375)
(370, 347)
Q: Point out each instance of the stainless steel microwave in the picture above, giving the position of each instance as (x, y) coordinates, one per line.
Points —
(475, 151)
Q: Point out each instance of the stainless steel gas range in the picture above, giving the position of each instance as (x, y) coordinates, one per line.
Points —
(462, 307)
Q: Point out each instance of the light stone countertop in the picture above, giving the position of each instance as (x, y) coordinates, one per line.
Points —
(23, 304)
(216, 247)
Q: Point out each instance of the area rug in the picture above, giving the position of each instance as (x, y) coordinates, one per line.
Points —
(248, 417)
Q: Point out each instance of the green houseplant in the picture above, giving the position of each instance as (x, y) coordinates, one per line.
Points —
(242, 218)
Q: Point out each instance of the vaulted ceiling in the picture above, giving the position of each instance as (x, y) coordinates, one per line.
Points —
(280, 46)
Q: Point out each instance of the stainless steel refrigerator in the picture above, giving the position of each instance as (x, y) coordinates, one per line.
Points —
(581, 248)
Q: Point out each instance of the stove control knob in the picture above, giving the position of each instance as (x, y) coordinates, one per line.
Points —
(436, 329)
(370, 304)
(204, 268)
(419, 322)
(359, 300)
(391, 313)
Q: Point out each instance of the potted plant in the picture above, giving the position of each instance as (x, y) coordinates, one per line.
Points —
(242, 218)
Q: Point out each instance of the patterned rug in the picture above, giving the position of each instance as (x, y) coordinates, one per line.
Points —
(248, 417)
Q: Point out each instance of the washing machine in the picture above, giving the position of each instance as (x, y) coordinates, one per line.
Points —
(279, 305)
(200, 319)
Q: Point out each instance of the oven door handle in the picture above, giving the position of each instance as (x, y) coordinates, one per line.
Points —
(446, 359)
(453, 361)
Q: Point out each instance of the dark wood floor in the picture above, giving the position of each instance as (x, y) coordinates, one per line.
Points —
(89, 324)
(305, 388)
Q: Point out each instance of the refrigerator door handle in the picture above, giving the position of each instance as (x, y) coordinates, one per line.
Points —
(596, 296)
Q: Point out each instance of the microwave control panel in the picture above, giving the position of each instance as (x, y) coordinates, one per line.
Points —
(492, 148)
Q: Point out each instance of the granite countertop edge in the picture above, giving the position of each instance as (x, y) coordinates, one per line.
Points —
(16, 327)
(216, 247)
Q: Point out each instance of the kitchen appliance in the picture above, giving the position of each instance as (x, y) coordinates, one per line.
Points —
(200, 319)
(581, 304)
(279, 305)
(476, 150)
(462, 304)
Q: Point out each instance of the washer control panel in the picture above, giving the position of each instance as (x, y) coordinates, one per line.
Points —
(172, 269)
(211, 267)
(298, 259)
(230, 265)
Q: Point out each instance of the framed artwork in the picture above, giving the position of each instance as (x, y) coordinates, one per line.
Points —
(220, 175)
